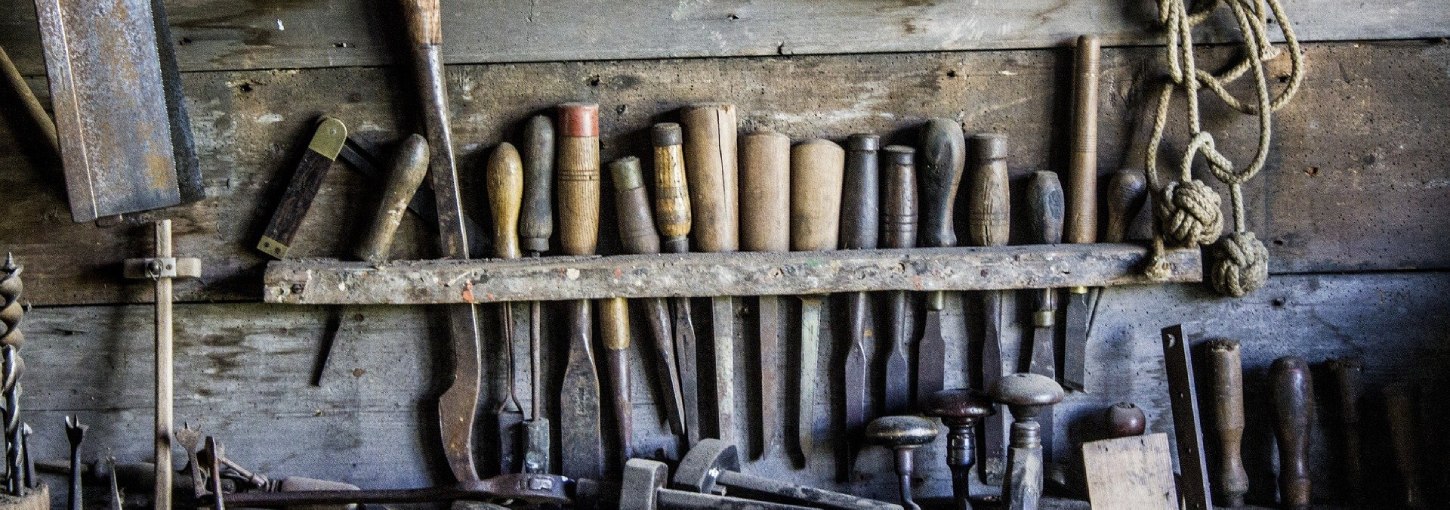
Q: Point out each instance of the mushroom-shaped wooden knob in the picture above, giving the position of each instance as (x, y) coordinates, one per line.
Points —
(1026, 395)
(902, 434)
(960, 410)
(1125, 419)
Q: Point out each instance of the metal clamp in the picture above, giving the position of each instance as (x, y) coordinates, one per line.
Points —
(156, 268)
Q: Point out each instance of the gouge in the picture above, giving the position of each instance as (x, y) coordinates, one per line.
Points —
(322, 149)
(1044, 213)
(817, 168)
(578, 188)
(1226, 391)
(504, 181)
(1292, 392)
(536, 225)
(860, 225)
(942, 159)
(1082, 205)
(898, 224)
(765, 197)
(672, 216)
(713, 175)
(459, 404)
(987, 225)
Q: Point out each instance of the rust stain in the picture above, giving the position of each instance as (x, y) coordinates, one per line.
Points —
(468, 292)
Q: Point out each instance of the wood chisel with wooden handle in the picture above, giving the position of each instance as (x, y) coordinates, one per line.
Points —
(817, 168)
(577, 167)
(673, 218)
(1082, 204)
(614, 332)
(898, 225)
(536, 225)
(458, 406)
(941, 160)
(987, 225)
(860, 230)
(322, 149)
(1044, 221)
(504, 182)
(765, 227)
(713, 175)
(637, 235)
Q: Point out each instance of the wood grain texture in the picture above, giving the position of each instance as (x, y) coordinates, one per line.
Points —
(1130, 473)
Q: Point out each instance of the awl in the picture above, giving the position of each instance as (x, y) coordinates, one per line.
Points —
(765, 227)
(816, 173)
(942, 159)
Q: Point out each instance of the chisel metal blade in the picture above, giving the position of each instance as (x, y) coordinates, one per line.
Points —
(995, 457)
(770, 372)
(1044, 360)
(688, 354)
(898, 370)
(854, 383)
(658, 311)
(1074, 356)
(579, 414)
(722, 314)
(931, 352)
(810, 356)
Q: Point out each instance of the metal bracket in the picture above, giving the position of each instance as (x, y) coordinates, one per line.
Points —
(162, 267)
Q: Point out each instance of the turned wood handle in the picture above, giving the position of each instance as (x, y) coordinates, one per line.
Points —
(1226, 391)
(424, 20)
(1125, 419)
(1127, 192)
(765, 191)
(713, 175)
(672, 199)
(1345, 373)
(410, 167)
(504, 180)
(536, 222)
(1082, 170)
(1044, 224)
(988, 207)
(898, 200)
(631, 200)
(1293, 399)
(817, 168)
(942, 159)
(578, 178)
(1403, 419)
(861, 193)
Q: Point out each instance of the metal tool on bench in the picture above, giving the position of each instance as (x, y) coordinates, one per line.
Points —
(988, 224)
(903, 435)
(643, 488)
(1082, 203)
(673, 218)
(1226, 391)
(1345, 374)
(214, 466)
(1292, 391)
(504, 181)
(713, 467)
(898, 230)
(1044, 219)
(960, 410)
(941, 162)
(75, 431)
(536, 225)
(578, 189)
(322, 148)
(11, 368)
(1027, 396)
(816, 171)
(860, 229)
(765, 227)
(1187, 425)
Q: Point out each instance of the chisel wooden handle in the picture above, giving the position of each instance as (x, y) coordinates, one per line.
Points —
(942, 159)
(816, 175)
(765, 191)
(898, 225)
(989, 208)
(1404, 427)
(578, 178)
(410, 167)
(631, 202)
(861, 198)
(504, 179)
(1345, 374)
(1082, 170)
(1226, 391)
(1293, 397)
(1127, 192)
(1044, 208)
(536, 222)
(672, 199)
(713, 175)
(898, 198)
(614, 331)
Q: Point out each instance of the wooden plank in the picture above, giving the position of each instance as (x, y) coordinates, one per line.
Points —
(228, 35)
(331, 282)
(1130, 473)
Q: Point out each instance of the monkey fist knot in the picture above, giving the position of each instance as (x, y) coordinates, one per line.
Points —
(1239, 264)
(1189, 213)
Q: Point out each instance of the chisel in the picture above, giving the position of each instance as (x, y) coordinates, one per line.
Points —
(458, 406)
(504, 182)
(1044, 221)
(637, 235)
(898, 225)
(1082, 210)
(817, 168)
(577, 165)
(765, 198)
(942, 159)
(987, 225)
(672, 216)
(713, 177)
(536, 225)
(860, 225)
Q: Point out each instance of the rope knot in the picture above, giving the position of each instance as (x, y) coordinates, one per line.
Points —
(1238, 264)
(1189, 213)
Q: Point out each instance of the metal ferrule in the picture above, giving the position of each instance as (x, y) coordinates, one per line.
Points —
(1044, 318)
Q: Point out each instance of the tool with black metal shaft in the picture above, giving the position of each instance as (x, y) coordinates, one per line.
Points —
(960, 410)
(713, 176)
(578, 188)
(713, 467)
(765, 227)
(860, 222)
(672, 216)
(458, 406)
(1344, 374)
(988, 213)
(1082, 203)
(903, 435)
(1226, 391)
(637, 235)
(504, 181)
(75, 432)
(898, 230)
(536, 225)
(942, 160)
(817, 168)
(1402, 415)
(1027, 396)
(1292, 392)
(1044, 221)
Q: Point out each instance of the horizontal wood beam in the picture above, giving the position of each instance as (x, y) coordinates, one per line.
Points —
(716, 274)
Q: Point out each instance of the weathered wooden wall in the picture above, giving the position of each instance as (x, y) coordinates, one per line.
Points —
(1352, 204)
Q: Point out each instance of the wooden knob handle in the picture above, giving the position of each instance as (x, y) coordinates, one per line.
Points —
(1125, 420)
(1346, 373)
(898, 201)
(672, 200)
(989, 210)
(1127, 192)
(942, 158)
(504, 180)
(713, 175)
(1082, 170)
(1403, 418)
(1226, 389)
(1293, 399)
(424, 20)
(861, 193)
(817, 168)
(410, 167)
(765, 191)
(1044, 208)
(536, 222)
(631, 201)
(578, 178)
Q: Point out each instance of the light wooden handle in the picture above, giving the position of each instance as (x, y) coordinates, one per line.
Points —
(504, 180)
(578, 178)
(898, 198)
(861, 193)
(765, 191)
(614, 323)
(1082, 170)
(710, 163)
(817, 168)
(410, 167)
(536, 222)
(989, 208)
(672, 191)
(631, 203)
(941, 160)
(1127, 192)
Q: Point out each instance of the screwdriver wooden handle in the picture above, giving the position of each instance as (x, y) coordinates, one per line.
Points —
(614, 331)
(713, 175)
(1293, 397)
(504, 179)
(1345, 373)
(817, 168)
(1403, 419)
(1226, 391)
(536, 222)
(410, 167)
(861, 193)
(672, 199)
(898, 200)
(1082, 170)
(989, 208)
(578, 175)
(765, 191)
(631, 202)
(1127, 192)
(942, 159)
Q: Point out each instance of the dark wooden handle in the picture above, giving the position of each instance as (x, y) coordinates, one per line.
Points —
(1403, 419)
(504, 179)
(1044, 208)
(861, 193)
(989, 209)
(898, 201)
(578, 178)
(1226, 408)
(536, 222)
(1082, 170)
(631, 202)
(942, 158)
(817, 168)
(424, 20)
(713, 175)
(1293, 398)
(410, 167)
(672, 193)
(765, 191)
(1127, 192)
(1346, 373)
(1125, 420)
